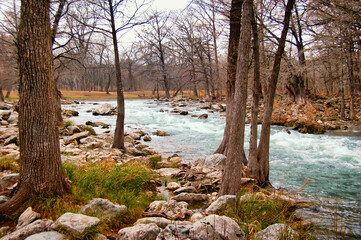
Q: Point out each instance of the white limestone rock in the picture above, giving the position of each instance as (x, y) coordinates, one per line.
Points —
(27, 217)
(139, 232)
(76, 223)
(219, 203)
(102, 208)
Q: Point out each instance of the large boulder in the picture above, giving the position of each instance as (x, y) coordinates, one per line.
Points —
(30, 229)
(102, 208)
(175, 232)
(14, 116)
(171, 208)
(139, 232)
(216, 160)
(275, 232)
(53, 235)
(76, 223)
(27, 217)
(216, 227)
(161, 133)
(105, 109)
(219, 203)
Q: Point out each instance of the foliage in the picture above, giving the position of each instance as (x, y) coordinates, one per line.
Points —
(154, 161)
(8, 163)
(67, 124)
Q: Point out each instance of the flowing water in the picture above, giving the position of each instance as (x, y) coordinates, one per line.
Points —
(331, 162)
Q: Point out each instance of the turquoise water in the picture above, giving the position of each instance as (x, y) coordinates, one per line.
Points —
(332, 163)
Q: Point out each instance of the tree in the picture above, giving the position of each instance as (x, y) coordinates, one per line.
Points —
(40, 164)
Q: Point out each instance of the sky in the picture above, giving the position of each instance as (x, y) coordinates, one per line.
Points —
(170, 4)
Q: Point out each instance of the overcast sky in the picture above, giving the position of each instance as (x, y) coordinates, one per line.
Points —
(170, 4)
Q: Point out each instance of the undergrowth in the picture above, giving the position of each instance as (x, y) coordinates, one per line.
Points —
(8, 163)
(127, 184)
(256, 212)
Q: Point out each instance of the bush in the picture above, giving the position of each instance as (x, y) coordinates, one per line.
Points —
(7, 163)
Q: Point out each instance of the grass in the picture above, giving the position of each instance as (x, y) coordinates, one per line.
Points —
(127, 184)
(258, 212)
(67, 123)
(7, 163)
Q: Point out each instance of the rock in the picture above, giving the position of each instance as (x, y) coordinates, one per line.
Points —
(70, 113)
(27, 217)
(76, 223)
(196, 217)
(8, 181)
(53, 235)
(135, 136)
(213, 161)
(11, 139)
(189, 189)
(171, 208)
(105, 109)
(161, 133)
(206, 106)
(173, 186)
(174, 232)
(216, 227)
(139, 232)
(160, 221)
(102, 208)
(167, 172)
(219, 203)
(175, 159)
(3, 199)
(4, 106)
(149, 151)
(13, 117)
(133, 151)
(191, 197)
(4, 229)
(203, 116)
(183, 112)
(30, 229)
(147, 138)
(73, 129)
(275, 232)
(76, 137)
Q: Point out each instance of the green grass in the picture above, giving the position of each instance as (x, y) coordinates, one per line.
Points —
(127, 184)
(7, 163)
(67, 124)
(258, 212)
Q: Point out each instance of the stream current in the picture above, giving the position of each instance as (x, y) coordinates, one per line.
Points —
(332, 162)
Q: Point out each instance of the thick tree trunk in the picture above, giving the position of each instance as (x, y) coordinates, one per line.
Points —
(235, 26)
(231, 180)
(40, 165)
(262, 172)
(119, 127)
(351, 77)
(2, 99)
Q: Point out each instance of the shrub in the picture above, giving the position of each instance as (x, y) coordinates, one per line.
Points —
(8, 163)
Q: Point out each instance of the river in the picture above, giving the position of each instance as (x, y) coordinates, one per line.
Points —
(331, 162)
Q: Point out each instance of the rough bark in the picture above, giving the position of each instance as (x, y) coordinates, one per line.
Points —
(252, 159)
(2, 99)
(235, 27)
(231, 180)
(119, 127)
(261, 173)
(351, 78)
(40, 165)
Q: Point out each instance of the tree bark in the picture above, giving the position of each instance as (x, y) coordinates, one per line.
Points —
(231, 180)
(252, 159)
(235, 27)
(261, 173)
(40, 165)
(119, 127)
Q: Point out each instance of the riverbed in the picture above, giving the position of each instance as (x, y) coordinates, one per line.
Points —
(332, 162)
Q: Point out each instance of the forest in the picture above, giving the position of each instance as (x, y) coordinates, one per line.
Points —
(242, 66)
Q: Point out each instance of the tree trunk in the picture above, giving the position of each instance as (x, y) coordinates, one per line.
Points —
(235, 26)
(342, 111)
(351, 78)
(261, 173)
(2, 99)
(119, 127)
(252, 159)
(231, 179)
(40, 165)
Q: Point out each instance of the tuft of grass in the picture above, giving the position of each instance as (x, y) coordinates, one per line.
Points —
(258, 212)
(154, 161)
(122, 184)
(67, 124)
(90, 130)
(8, 163)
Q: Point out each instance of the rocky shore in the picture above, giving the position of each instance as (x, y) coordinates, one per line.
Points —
(189, 189)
